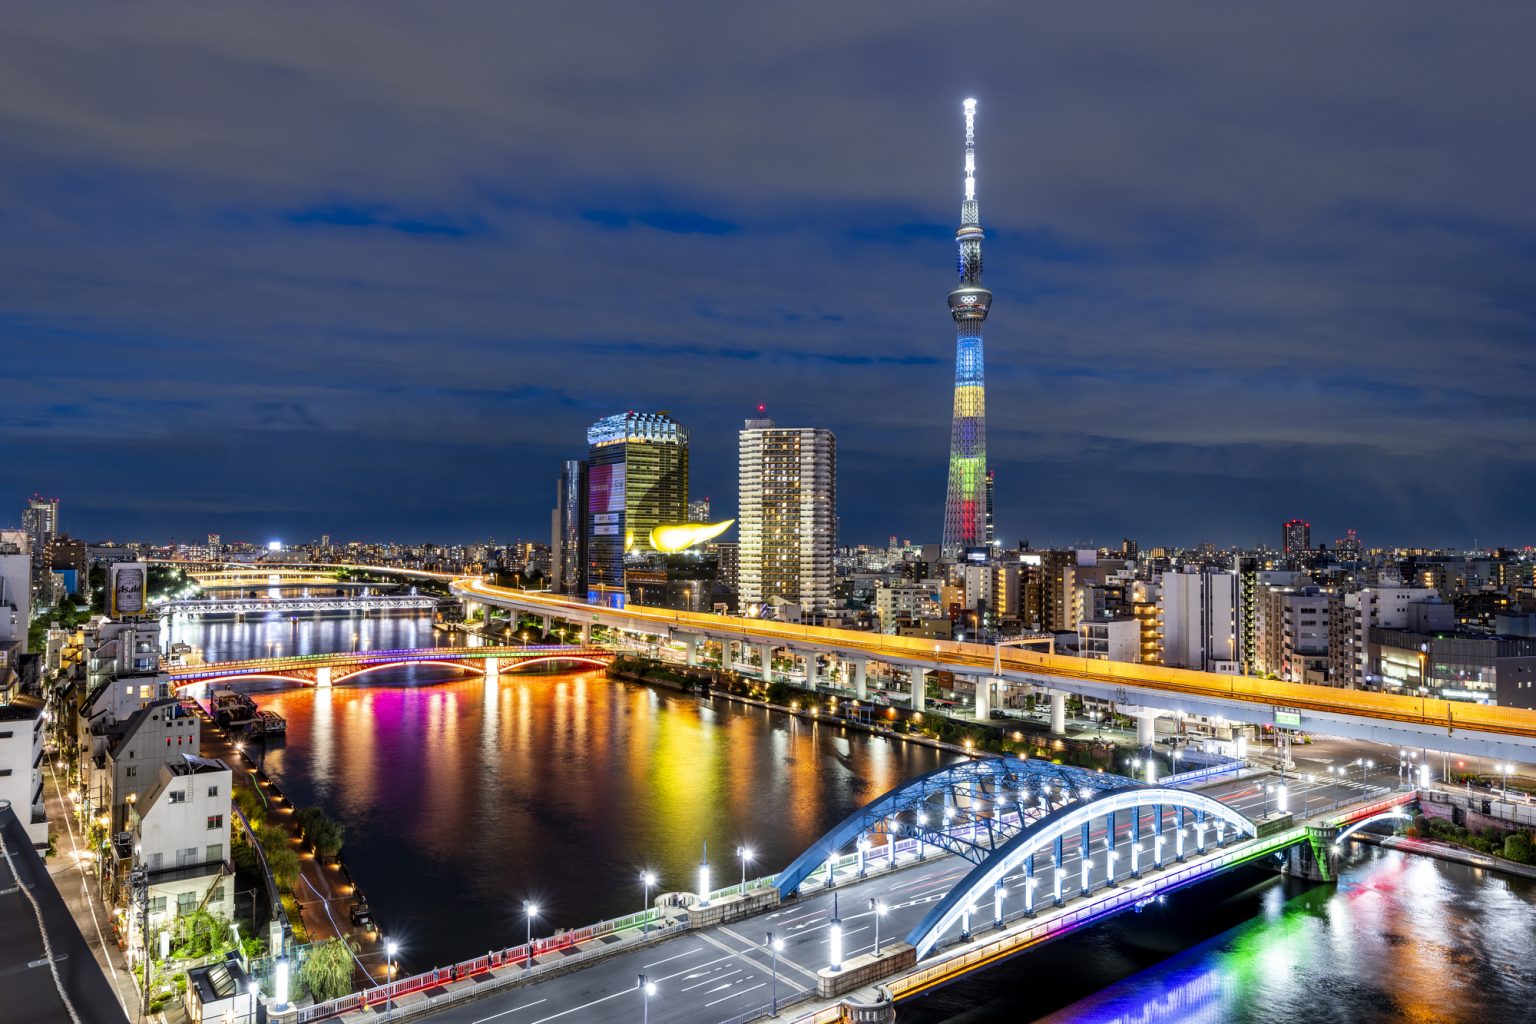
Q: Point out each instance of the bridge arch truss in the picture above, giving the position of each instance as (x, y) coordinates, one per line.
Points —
(1393, 814)
(970, 809)
(1049, 834)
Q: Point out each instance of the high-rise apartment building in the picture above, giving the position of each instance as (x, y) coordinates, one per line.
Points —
(787, 515)
(698, 510)
(40, 522)
(965, 504)
(637, 480)
(992, 543)
(1296, 537)
(568, 531)
(1202, 620)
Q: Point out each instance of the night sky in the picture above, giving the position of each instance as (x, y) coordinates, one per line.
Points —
(370, 269)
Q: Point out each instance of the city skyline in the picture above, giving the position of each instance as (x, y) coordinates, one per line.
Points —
(1205, 315)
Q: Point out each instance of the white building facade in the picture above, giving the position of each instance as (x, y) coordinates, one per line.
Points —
(787, 518)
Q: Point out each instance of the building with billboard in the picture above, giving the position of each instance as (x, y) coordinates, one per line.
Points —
(637, 480)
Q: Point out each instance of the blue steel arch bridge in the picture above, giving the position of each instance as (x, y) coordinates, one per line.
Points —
(1002, 814)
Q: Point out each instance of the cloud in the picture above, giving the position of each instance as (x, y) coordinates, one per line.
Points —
(1248, 263)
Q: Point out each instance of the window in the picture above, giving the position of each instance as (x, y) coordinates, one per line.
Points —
(6, 735)
(133, 770)
(154, 865)
(215, 821)
(4, 772)
(177, 796)
(186, 902)
(215, 853)
(213, 790)
(157, 904)
(218, 895)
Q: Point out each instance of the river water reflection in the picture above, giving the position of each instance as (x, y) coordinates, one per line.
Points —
(462, 799)
(1400, 938)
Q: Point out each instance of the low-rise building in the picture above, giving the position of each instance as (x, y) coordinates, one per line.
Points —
(21, 759)
(178, 833)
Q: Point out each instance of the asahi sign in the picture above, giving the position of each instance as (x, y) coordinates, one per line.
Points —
(128, 582)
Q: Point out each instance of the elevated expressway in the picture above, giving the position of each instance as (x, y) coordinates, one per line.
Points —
(1145, 691)
(310, 605)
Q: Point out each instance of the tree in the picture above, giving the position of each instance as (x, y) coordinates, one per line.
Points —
(327, 838)
(327, 971)
(285, 867)
(308, 818)
(272, 838)
(1517, 847)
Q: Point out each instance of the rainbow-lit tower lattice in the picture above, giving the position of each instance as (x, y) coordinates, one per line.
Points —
(965, 511)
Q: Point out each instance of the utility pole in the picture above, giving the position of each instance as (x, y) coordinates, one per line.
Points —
(138, 881)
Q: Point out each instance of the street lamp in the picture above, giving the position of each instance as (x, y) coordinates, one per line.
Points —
(879, 911)
(647, 880)
(775, 945)
(1306, 794)
(1506, 769)
(531, 911)
(253, 990)
(647, 989)
(745, 853)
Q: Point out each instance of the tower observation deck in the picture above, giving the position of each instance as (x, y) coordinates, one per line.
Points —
(965, 511)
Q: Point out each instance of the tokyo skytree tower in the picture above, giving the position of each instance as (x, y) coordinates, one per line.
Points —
(965, 509)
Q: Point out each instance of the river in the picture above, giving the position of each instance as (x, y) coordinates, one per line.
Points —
(462, 800)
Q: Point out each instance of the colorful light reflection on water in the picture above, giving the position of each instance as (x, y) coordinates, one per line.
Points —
(462, 798)
(1401, 938)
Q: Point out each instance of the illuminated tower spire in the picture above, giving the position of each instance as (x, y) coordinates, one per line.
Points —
(965, 507)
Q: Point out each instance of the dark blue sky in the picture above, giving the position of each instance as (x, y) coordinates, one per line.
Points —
(370, 269)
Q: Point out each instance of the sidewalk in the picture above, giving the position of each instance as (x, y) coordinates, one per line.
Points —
(1448, 851)
(323, 896)
(73, 871)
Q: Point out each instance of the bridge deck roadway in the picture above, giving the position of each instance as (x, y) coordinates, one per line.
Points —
(1456, 726)
(715, 975)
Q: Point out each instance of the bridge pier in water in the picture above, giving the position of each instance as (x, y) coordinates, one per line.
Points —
(323, 676)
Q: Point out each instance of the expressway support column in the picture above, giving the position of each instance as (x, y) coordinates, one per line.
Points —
(1058, 713)
(1146, 724)
(693, 649)
(984, 698)
(323, 675)
(860, 670)
(919, 688)
(548, 622)
(765, 658)
(492, 670)
(586, 633)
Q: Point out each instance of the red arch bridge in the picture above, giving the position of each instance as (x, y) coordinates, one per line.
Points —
(326, 669)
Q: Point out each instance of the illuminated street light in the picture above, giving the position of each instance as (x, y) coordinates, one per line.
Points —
(878, 909)
(647, 882)
(531, 911)
(647, 989)
(776, 945)
(745, 853)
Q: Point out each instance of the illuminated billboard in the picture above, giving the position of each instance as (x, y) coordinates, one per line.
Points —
(605, 490)
(127, 586)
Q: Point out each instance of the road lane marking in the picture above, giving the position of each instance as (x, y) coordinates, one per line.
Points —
(685, 952)
(734, 995)
(710, 981)
(503, 1013)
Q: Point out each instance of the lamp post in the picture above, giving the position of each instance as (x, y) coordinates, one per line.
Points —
(745, 853)
(835, 939)
(1505, 769)
(1365, 766)
(1306, 794)
(391, 947)
(531, 911)
(878, 909)
(647, 880)
(647, 989)
(775, 945)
